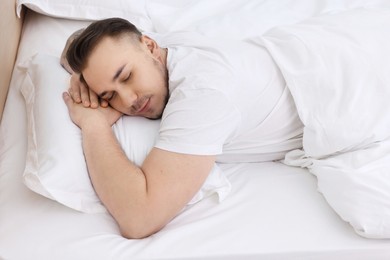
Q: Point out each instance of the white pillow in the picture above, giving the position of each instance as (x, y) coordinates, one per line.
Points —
(337, 68)
(234, 19)
(132, 10)
(222, 19)
(55, 166)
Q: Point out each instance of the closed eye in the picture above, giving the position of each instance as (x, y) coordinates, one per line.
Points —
(111, 97)
(127, 78)
(107, 96)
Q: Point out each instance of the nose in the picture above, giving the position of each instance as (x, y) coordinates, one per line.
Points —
(128, 98)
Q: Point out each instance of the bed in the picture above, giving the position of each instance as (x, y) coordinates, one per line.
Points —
(275, 210)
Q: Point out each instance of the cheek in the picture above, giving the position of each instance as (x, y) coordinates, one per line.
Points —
(162, 101)
(117, 105)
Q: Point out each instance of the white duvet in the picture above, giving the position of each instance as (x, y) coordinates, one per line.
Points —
(337, 67)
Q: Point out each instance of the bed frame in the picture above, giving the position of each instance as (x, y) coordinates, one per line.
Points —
(10, 30)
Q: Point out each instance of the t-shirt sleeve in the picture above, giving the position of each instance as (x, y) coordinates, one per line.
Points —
(198, 121)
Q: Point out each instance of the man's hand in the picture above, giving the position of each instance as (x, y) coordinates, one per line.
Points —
(82, 115)
(81, 93)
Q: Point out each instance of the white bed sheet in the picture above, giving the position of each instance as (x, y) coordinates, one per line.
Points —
(273, 212)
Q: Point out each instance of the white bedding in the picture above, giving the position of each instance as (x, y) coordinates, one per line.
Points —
(273, 211)
(339, 78)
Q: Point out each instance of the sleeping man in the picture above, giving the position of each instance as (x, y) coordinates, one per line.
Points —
(219, 101)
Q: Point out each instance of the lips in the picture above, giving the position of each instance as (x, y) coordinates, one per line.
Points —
(144, 106)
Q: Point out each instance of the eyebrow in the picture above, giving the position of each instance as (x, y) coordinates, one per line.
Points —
(118, 72)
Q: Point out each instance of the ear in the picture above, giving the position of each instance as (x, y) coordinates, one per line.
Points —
(151, 45)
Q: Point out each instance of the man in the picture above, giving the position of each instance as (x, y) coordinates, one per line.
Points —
(215, 105)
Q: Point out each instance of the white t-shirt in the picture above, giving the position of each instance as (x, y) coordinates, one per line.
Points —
(227, 98)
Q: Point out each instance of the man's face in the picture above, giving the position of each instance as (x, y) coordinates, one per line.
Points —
(131, 78)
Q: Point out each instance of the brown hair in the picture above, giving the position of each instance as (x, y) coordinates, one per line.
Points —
(80, 49)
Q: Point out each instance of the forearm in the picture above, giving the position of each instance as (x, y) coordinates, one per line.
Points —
(119, 183)
(142, 200)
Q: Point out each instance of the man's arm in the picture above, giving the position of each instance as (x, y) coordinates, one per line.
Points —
(141, 199)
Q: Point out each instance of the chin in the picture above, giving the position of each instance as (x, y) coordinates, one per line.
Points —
(153, 117)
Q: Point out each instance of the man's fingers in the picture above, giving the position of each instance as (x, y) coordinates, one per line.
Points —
(93, 99)
(81, 93)
(67, 98)
(103, 103)
(75, 95)
(84, 93)
(74, 89)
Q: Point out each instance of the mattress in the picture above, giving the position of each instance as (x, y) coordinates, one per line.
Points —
(274, 211)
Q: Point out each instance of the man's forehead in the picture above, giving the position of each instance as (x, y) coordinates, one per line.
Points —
(111, 46)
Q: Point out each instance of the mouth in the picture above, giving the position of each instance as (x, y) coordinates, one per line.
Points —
(144, 106)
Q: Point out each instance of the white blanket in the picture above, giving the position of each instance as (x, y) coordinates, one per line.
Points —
(337, 68)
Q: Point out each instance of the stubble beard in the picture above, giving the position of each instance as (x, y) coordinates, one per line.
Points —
(163, 71)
